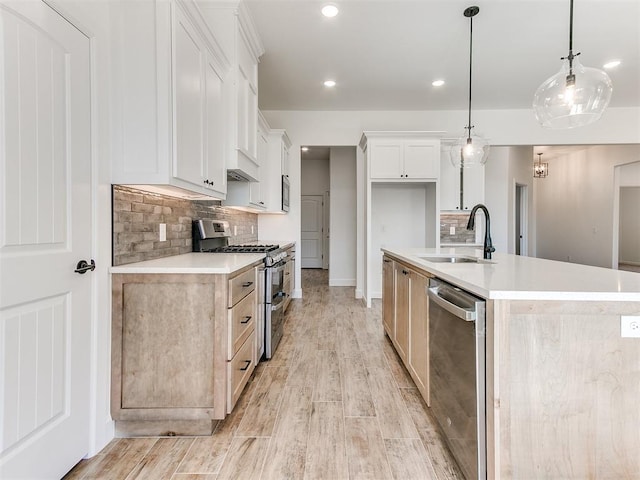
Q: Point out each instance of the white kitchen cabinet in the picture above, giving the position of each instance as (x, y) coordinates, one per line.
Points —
(234, 28)
(250, 195)
(169, 100)
(276, 165)
(402, 155)
(401, 209)
(473, 182)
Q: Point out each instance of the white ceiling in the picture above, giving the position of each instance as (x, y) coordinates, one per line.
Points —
(384, 54)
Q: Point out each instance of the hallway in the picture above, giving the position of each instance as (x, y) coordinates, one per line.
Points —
(333, 403)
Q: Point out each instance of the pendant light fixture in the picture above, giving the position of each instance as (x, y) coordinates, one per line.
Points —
(540, 170)
(575, 96)
(470, 149)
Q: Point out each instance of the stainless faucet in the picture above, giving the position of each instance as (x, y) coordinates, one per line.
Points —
(488, 247)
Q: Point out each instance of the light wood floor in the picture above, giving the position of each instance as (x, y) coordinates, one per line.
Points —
(333, 403)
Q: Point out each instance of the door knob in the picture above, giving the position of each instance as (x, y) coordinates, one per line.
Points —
(83, 267)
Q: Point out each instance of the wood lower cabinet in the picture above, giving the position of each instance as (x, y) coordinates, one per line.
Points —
(403, 289)
(183, 348)
(405, 318)
(388, 297)
(418, 361)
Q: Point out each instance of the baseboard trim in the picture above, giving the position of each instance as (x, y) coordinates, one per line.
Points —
(342, 282)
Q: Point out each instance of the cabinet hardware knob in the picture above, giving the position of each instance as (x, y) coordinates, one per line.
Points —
(83, 267)
(247, 284)
(246, 367)
(246, 319)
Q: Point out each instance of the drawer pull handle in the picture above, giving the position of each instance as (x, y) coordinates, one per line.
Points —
(246, 367)
(246, 319)
(247, 284)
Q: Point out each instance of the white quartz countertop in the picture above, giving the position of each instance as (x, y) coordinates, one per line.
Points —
(525, 278)
(193, 263)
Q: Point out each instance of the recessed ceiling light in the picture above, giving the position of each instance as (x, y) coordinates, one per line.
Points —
(611, 64)
(330, 10)
(329, 83)
(437, 83)
(305, 149)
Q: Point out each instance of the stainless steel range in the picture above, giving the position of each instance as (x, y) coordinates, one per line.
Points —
(212, 236)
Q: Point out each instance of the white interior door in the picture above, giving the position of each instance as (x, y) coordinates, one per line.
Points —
(311, 224)
(45, 218)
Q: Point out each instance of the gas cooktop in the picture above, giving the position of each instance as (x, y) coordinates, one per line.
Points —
(243, 249)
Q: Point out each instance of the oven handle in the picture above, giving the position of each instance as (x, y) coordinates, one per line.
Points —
(277, 306)
(278, 267)
(462, 313)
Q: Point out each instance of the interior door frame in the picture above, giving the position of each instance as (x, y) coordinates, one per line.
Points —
(521, 218)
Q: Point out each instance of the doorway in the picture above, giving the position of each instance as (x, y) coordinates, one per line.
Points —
(312, 231)
(521, 220)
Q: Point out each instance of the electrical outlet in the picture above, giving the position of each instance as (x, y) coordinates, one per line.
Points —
(162, 232)
(630, 326)
(452, 230)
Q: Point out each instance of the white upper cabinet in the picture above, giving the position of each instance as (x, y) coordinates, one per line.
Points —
(250, 195)
(169, 100)
(277, 163)
(234, 27)
(473, 182)
(402, 155)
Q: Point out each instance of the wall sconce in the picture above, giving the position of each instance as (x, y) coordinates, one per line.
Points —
(540, 170)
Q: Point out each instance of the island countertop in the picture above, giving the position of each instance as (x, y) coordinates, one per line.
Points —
(194, 262)
(515, 277)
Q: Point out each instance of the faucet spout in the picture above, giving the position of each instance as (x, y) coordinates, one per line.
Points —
(488, 246)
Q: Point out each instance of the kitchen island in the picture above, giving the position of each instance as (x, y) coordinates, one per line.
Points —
(562, 385)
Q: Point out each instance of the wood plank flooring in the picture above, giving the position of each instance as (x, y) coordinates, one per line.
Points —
(335, 402)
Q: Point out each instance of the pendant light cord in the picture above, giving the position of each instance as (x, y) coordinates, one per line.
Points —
(469, 126)
(571, 56)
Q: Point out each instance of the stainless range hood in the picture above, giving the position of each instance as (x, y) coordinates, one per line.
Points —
(235, 175)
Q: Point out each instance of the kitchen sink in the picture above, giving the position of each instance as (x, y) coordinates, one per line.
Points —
(452, 259)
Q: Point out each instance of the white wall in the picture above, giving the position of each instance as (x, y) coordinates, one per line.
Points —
(92, 18)
(314, 176)
(342, 240)
(398, 219)
(503, 127)
(576, 210)
(629, 247)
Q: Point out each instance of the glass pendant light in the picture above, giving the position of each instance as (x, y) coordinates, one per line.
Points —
(575, 96)
(471, 149)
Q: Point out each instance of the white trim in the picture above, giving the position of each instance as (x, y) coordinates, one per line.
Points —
(342, 282)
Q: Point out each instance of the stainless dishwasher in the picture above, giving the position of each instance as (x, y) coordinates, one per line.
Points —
(457, 373)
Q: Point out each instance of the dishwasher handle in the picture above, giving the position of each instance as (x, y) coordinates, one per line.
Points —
(466, 314)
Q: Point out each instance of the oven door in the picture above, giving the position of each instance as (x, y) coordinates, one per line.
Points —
(275, 280)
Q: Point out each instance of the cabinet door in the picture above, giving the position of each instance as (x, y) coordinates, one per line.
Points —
(388, 297)
(256, 195)
(403, 285)
(419, 334)
(421, 159)
(473, 186)
(215, 166)
(189, 59)
(386, 160)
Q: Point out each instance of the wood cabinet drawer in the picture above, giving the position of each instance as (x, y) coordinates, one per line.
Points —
(241, 323)
(239, 370)
(241, 286)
